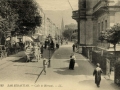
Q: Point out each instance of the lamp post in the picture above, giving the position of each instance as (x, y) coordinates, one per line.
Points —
(49, 38)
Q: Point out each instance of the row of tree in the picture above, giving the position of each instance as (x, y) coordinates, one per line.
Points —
(112, 35)
(70, 34)
(20, 16)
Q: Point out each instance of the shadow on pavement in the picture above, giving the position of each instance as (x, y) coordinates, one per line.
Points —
(115, 86)
(81, 68)
(46, 53)
(27, 66)
(21, 60)
(90, 84)
(31, 74)
(18, 54)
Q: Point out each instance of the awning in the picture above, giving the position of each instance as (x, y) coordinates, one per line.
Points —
(35, 36)
(38, 34)
(27, 38)
(8, 38)
(35, 39)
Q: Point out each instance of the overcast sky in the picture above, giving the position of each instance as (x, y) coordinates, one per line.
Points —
(58, 4)
(56, 9)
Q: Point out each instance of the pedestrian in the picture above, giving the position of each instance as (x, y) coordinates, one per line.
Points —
(36, 52)
(97, 73)
(57, 45)
(45, 65)
(29, 53)
(73, 47)
(109, 73)
(66, 41)
(61, 41)
(46, 43)
(72, 61)
(41, 51)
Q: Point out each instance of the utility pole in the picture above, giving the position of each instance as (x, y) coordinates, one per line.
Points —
(78, 23)
(70, 5)
(78, 27)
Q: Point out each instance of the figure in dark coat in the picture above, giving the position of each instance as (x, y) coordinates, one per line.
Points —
(73, 47)
(46, 43)
(41, 50)
(97, 73)
(72, 61)
(57, 45)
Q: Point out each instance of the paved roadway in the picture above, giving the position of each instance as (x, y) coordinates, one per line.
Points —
(79, 79)
(14, 71)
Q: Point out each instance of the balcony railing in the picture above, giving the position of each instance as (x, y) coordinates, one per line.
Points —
(75, 14)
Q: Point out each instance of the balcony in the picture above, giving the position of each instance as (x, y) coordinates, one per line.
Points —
(99, 5)
(75, 14)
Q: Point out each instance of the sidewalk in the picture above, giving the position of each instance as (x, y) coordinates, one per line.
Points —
(13, 57)
(61, 78)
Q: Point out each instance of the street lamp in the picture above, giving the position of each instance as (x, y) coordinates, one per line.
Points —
(49, 38)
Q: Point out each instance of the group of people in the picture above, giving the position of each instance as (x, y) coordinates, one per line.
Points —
(33, 51)
(14, 47)
(36, 51)
(64, 41)
(49, 43)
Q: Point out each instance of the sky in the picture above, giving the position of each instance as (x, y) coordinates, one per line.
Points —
(58, 4)
(58, 9)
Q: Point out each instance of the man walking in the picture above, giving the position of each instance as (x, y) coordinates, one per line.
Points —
(73, 47)
(97, 73)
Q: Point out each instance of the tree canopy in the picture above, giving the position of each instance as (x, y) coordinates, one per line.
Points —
(29, 16)
(20, 16)
(70, 33)
(112, 35)
(8, 16)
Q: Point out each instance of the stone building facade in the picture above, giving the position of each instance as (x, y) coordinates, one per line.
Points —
(96, 16)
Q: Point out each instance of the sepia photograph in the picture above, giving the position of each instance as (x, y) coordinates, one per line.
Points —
(59, 44)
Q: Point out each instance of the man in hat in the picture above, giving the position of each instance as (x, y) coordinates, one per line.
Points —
(97, 73)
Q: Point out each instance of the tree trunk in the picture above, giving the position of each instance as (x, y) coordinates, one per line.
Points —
(114, 47)
(115, 52)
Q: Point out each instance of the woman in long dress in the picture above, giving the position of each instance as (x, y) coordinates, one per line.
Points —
(36, 52)
(72, 61)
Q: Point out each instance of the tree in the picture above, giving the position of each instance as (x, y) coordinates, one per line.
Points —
(102, 36)
(68, 33)
(8, 15)
(113, 35)
(29, 15)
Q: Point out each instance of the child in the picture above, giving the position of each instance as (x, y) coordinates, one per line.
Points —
(44, 65)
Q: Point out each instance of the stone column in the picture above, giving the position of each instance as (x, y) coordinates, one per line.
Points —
(95, 31)
(89, 31)
(82, 32)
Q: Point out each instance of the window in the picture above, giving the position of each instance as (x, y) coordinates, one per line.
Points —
(105, 24)
(102, 26)
(98, 29)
